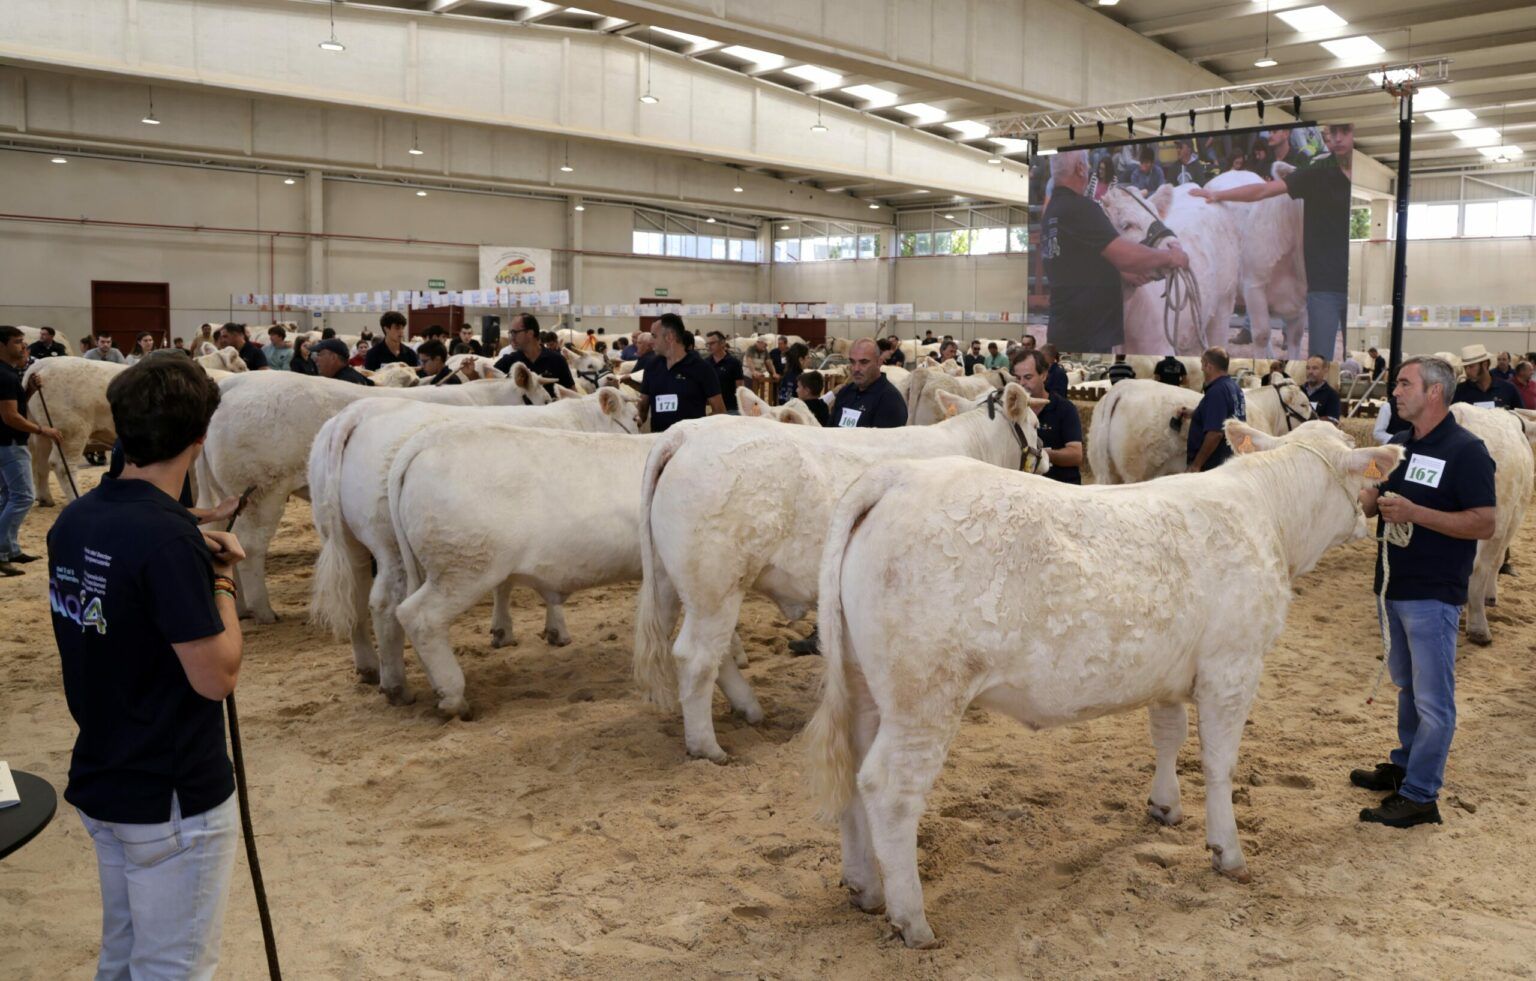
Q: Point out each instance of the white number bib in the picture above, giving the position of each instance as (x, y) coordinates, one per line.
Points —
(850, 418)
(1425, 470)
(1486, 405)
(666, 403)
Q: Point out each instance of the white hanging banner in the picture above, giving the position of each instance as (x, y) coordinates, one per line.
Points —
(515, 267)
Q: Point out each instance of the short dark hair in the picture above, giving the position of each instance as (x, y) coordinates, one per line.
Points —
(1051, 351)
(674, 323)
(143, 334)
(1217, 357)
(326, 333)
(234, 328)
(549, 337)
(717, 335)
(277, 331)
(160, 406)
(393, 318)
(436, 330)
(1371, 350)
(432, 349)
(530, 322)
(7, 332)
(812, 381)
(1147, 155)
(50, 330)
(1038, 357)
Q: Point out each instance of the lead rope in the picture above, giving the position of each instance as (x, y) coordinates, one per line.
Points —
(43, 399)
(1181, 291)
(1399, 534)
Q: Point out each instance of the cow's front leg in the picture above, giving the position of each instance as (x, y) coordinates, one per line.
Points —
(501, 615)
(1170, 727)
(1223, 704)
(555, 631)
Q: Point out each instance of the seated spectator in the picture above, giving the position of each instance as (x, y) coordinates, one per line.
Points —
(278, 351)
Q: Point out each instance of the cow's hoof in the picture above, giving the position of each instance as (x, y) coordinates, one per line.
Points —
(1169, 814)
(1480, 639)
(45, 504)
(1237, 872)
(555, 640)
(264, 616)
(712, 753)
(918, 937)
(753, 715)
(456, 707)
(399, 695)
(368, 676)
(501, 637)
(868, 899)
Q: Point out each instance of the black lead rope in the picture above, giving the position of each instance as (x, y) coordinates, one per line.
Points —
(1292, 417)
(269, 938)
(993, 398)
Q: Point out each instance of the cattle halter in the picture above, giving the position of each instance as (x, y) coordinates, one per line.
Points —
(1292, 417)
(1181, 291)
(1025, 451)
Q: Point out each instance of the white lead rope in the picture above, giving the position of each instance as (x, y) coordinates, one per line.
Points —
(1399, 534)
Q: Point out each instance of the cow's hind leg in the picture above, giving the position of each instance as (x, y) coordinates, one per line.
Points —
(389, 591)
(903, 762)
(555, 632)
(364, 658)
(1170, 726)
(255, 528)
(861, 870)
(702, 645)
(42, 450)
(1223, 700)
(426, 615)
(501, 615)
(1485, 574)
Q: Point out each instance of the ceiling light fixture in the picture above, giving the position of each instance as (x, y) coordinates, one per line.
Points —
(1266, 61)
(1481, 136)
(758, 58)
(737, 188)
(287, 180)
(421, 194)
(816, 75)
(1452, 117)
(646, 98)
(149, 117)
(949, 217)
(59, 160)
(1108, 3)
(709, 221)
(1046, 152)
(1355, 47)
(873, 206)
(566, 168)
(923, 113)
(331, 44)
(580, 207)
(415, 149)
(818, 126)
(877, 97)
(1310, 20)
(1430, 98)
(994, 159)
(969, 129)
(783, 228)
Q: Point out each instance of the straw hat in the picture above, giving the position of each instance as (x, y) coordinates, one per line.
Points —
(1473, 353)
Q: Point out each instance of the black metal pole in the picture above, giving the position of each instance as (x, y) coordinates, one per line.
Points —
(1400, 245)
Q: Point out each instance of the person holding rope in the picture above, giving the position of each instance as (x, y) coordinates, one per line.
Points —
(149, 643)
(16, 491)
(1433, 509)
(1222, 400)
(1061, 428)
(1088, 263)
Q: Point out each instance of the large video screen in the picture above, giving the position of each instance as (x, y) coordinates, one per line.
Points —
(1237, 240)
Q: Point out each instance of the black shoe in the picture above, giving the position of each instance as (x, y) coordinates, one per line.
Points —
(1386, 777)
(1506, 569)
(7, 570)
(23, 557)
(1397, 811)
(810, 645)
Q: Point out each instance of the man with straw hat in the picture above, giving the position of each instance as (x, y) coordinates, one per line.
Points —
(1481, 388)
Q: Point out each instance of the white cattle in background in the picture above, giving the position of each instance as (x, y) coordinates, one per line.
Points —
(484, 366)
(767, 494)
(1130, 439)
(33, 334)
(1024, 614)
(225, 359)
(922, 392)
(1144, 365)
(481, 510)
(1273, 269)
(1509, 436)
(260, 439)
(1210, 237)
(348, 478)
(396, 374)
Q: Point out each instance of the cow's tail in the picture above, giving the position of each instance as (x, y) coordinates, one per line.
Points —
(398, 470)
(831, 767)
(1099, 454)
(331, 602)
(655, 670)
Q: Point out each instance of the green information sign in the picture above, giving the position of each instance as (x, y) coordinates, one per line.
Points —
(659, 291)
(437, 284)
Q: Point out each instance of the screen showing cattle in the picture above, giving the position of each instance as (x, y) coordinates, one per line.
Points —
(1237, 240)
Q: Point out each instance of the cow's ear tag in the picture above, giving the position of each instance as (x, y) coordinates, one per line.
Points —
(1372, 472)
(949, 409)
(1246, 446)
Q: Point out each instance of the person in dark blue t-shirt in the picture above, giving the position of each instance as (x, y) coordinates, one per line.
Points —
(1060, 427)
(1442, 495)
(678, 385)
(1207, 447)
(869, 401)
(149, 642)
(234, 335)
(1323, 396)
(390, 348)
(1481, 388)
(528, 349)
(1056, 376)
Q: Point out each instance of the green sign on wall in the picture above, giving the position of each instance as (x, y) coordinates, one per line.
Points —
(437, 284)
(659, 291)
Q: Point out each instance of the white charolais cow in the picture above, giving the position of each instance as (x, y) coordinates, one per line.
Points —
(1130, 439)
(260, 439)
(1161, 315)
(922, 391)
(348, 477)
(1509, 437)
(1025, 615)
(1273, 269)
(556, 512)
(712, 492)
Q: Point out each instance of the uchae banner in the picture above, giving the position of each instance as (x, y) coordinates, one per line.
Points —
(1236, 239)
(514, 269)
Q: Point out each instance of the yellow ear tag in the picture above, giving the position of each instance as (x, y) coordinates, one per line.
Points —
(1246, 446)
(949, 409)
(1371, 472)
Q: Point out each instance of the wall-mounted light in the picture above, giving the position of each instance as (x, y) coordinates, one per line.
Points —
(331, 44)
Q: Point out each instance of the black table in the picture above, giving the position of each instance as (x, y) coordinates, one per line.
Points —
(20, 823)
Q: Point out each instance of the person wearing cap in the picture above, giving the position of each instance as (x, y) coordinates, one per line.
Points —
(1481, 388)
(1323, 396)
(330, 357)
(1170, 371)
(392, 348)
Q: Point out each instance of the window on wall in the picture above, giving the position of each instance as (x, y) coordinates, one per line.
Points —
(1487, 219)
(692, 237)
(1359, 223)
(963, 230)
(824, 241)
(1433, 220)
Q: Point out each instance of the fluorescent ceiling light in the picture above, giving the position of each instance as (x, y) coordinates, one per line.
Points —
(1312, 19)
(649, 99)
(59, 160)
(416, 151)
(150, 120)
(737, 188)
(580, 207)
(1358, 46)
(583, 13)
(1482, 136)
(783, 228)
(1452, 117)
(690, 38)
(969, 129)
(287, 180)
(1431, 97)
(566, 168)
(709, 221)
(923, 113)
(994, 159)
(877, 97)
(1501, 152)
(762, 59)
(949, 217)
(1265, 62)
(873, 206)
(421, 194)
(1108, 3)
(1008, 144)
(816, 75)
(1046, 152)
(921, 190)
(332, 45)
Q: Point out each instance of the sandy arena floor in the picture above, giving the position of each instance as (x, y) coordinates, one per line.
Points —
(563, 832)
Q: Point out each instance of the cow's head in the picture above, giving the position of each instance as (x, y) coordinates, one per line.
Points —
(1137, 217)
(529, 387)
(1293, 399)
(1012, 429)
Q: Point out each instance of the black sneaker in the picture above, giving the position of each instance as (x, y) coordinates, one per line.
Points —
(1397, 811)
(7, 570)
(23, 557)
(810, 645)
(1386, 777)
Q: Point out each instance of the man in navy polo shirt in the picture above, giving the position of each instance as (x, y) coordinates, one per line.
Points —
(1323, 396)
(1061, 428)
(528, 348)
(1443, 490)
(1056, 377)
(149, 642)
(1223, 400)
(869, 401)
(678, 385)
(727, 368)
(233, 335)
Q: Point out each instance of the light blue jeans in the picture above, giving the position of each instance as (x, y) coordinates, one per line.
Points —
(1325, 318)
(1423, 666)
(16, 496)
(163, 892)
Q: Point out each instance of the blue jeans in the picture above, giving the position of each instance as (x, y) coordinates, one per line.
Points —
(163, 892)
(1423, 666)
(1325, 319)
(16, 496)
